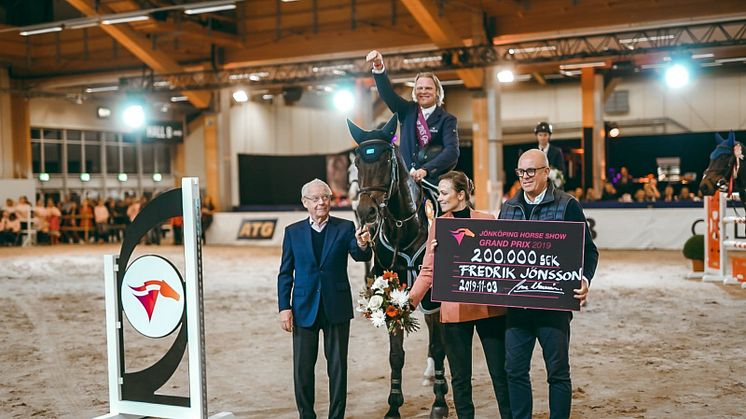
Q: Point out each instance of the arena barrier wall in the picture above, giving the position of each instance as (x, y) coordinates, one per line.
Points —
(612, 228)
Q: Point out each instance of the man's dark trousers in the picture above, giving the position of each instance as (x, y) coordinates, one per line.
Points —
(305, 353)
(552, 330)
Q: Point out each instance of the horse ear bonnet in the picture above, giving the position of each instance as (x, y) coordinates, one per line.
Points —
(724, 146)
(370, 151)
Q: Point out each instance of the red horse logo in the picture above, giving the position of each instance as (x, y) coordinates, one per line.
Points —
(148, 293)
(459, 234)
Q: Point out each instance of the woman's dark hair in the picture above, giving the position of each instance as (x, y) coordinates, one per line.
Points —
(460, 182)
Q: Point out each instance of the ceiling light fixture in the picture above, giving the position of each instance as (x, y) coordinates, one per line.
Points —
(124, 19)
(210, 9)
(39, 31)
(575, 66)
(101, 89)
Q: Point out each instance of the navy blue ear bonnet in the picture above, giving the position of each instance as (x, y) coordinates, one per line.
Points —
(724, 147)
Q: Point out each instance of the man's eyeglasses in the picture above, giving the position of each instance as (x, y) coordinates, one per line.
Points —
(319, 198)
(531, 172)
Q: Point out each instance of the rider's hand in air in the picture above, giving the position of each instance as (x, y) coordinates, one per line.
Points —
(376, 58)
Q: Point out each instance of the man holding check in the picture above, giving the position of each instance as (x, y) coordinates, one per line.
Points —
(539, 201)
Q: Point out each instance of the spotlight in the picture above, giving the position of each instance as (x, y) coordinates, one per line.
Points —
(85, 177)
(614, 132)
(44, 177)
(157, 177)
(344, 100)
(240, 96)
(505, 76)
(134, 116)
(103, 112)
(677, 76)
(122, 177)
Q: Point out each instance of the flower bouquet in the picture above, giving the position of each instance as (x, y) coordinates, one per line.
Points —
(557, 177)
(385, 302)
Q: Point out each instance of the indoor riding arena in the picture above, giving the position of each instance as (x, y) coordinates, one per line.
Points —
(165, 251)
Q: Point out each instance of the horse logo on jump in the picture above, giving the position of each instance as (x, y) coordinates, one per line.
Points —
(459, 234)
(148, 294)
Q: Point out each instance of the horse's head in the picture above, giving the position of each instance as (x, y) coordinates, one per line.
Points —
(725, 164)
(376, 161)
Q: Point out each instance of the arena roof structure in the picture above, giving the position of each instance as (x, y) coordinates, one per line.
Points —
(90, 47)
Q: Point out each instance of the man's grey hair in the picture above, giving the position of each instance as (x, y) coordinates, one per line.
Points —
(307, 186)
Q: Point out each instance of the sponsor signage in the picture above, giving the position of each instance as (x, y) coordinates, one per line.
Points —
(153, 296)
(169, 131)
(528, 264)
(257, 229)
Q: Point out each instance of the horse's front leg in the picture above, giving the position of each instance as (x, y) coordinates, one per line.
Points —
(437, 351)
(396, 361)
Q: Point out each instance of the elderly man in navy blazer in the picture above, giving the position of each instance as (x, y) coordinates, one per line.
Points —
(314, 294)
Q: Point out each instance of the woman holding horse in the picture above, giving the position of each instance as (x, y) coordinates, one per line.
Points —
(460, 320)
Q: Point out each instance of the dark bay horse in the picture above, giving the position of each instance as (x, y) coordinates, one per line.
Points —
(726, 171)
(391, 205)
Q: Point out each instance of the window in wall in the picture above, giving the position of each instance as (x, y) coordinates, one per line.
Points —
(74, 157)
(129, 158)
(72, 135)
(164, 159)
(112, 157)
(52, 134)
(148, 158)
(36, 157)
(92, 157)
(52, 157)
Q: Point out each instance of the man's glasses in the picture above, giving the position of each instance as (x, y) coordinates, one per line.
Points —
(319, 198)
(531, 172)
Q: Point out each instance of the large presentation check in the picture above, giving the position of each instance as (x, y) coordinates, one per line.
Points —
(530, 264)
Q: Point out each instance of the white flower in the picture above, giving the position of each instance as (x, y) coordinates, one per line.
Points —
(557, 177)
(378, 318)
(399, 298)
(379, 284)
(362, 305)
(375, 302)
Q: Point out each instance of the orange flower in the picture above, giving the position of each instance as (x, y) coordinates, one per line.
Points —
(388, 275)
(392, 311)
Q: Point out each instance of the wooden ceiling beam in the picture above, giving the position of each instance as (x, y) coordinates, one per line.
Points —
(346, 43)
(439, 29)
(139, 46)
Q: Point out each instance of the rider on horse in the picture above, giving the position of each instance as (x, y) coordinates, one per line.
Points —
(428, 134)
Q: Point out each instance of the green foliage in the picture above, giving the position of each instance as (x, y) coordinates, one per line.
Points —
(694, 248)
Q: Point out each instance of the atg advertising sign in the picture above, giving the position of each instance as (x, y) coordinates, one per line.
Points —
(530, 264)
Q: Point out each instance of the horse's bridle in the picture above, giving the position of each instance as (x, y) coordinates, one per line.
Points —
(386, 190)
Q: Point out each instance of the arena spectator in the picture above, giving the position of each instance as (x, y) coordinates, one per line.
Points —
(578, 193)
(639, 195)
(70, 222)
(54, 216)
(668, 194)
(609, 193)
(86, 219)
(624, 184)
(133, 209)
(10, 206)
(5, 239)
(12, 230)
(101, 217)
(590, 195)
(652, 193)
(685, 195)
(40, 222)
(207, 211)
